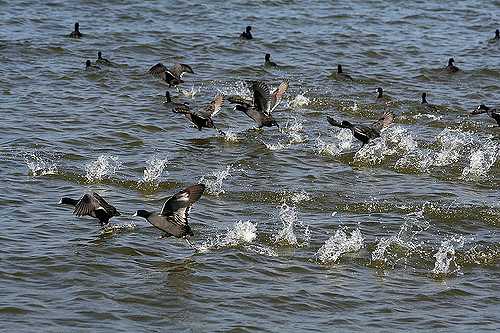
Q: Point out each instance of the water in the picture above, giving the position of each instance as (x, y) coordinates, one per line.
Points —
(299, 229)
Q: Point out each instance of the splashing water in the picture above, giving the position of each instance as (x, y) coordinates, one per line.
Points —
(117, 228)
(343, 142)
(453, 143)
(289, 219)
(104, 166)
(40, 164)
(299, 101)
(154, 169)
(339, 244)
(445, 256)
(214, 181)
(294, 131)
(230, 136)
(481, 161)
(240, 233)
(190, 93)
(301, 196)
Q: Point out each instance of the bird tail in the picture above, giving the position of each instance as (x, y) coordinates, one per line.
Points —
(344, 124)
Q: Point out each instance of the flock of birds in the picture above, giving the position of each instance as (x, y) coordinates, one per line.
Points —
(172, 220)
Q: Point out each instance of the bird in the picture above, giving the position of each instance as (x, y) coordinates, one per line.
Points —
(169, 103)
(204, 117)
(426, 104)
(365, 133)
(173, 218)
(268, 61)
(246, 34)
(491, 112)
(497, 36)
(263, 103)
(102, 61)
(451, 68)
(342, 75)
(92, 205)
(76, 33)
(172, 76)
(90, 67)
(380, 93)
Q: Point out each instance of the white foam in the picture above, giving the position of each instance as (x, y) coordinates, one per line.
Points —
(242, 232)
(104, 166)
(299, 101)
(339, 244)
(481, 161)
(290, 225)
(154, 169)
(40, 164)
(215, 180)
(445, 256)
(343, 140)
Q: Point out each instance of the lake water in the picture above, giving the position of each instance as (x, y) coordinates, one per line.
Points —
(299, 229)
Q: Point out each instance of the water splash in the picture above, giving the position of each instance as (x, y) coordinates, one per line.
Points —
(295, 132)
(290, 224)
(480, 162)
(214, 181)
(41, 164)
(452, 142)
(190, 93)
(298, 197)
(339, 244)
(230, 136)
(154, 169)
(117, 228)
(104, 166)
(343, 140)
(445, 256)
(299, 101)
(242, 232)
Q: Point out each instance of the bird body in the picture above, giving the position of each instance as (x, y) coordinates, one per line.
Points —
(172, 76)
(451, 68)
(341, 74)
(491, 112)
(91, 68)
(364, 133)
(203, 118)
(92, 205)
(426, 104)
(247, 33)
(103, 61)
(76, 33)
(173, 218)
(268, 62)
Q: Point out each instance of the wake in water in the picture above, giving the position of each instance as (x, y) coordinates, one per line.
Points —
(40, 163)
(104, 167)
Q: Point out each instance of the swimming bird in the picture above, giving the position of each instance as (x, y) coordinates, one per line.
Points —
(342, 75)
(268, 61)
(173, 218)
(92, 205)
(204, 117)
(173, 75)
(491, 112)
(426, 104)
(102, 61)
(497, 36)
(263, 103)
(76, 33)
(90, 67)
(451, 68)
(168, 102)
(380, 93)
(246, 34)
(365, 133)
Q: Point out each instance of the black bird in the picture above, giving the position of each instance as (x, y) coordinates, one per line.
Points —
(172, 76)
(246, 34)
(497, 36)
(90, 67)
(268, 61)
(173, 218)
(362, 132)
(380, 93)
(491, 112)
(263, 103)
(341, 74)
(76, 33)
(426, 104)
(204, 117)
(102, 61)
(92, 205)
(451, 68)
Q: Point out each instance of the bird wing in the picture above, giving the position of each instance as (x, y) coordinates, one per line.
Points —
(87, 205)
(278, 95)
(179, 204)
(235, 99)
(178, 70)
(261, 96)
(384, 121)
(158, 70)
(214, 107)
(107, 207)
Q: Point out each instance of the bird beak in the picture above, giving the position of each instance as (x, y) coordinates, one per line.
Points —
(135, 214)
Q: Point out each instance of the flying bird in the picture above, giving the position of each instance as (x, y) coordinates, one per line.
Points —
(202, 118)
(92, 205)
(173, 75)
(491, 112)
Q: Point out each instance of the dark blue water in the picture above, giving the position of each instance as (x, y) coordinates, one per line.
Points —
(299, 229)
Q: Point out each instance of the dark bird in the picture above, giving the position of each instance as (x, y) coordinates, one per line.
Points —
(380, 93)
(90, 67)
(92, 205)
(263, 103)
(172, 76)
(362, 132)
(424, 102)
(173, 218)
(204, 117)
(102, 61)
(268, 61)
(497, 36)
(76, 33)
(491, 112)
(451, 68)
(342, 75)
(246, 34)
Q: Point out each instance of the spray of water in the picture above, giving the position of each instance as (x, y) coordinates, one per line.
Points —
(215, 180)
(40, 164)
(104, 166)
(154, 169)
(340, 243)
